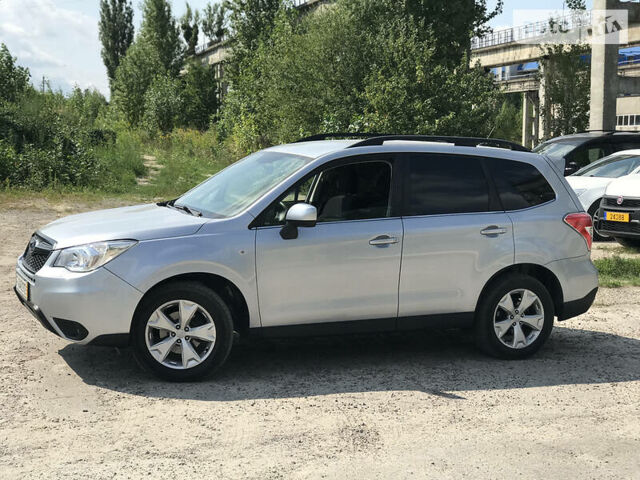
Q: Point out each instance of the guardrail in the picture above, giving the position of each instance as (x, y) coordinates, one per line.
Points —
(531, 30)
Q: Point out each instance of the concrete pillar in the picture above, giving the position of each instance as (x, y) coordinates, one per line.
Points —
(526, 120)
(536, 119)
(544, 132)
(604, 78)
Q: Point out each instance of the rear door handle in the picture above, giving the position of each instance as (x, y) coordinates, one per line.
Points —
(493, 230)
(383, 240)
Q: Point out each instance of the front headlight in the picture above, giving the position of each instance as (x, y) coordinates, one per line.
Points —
(85, 258)
(580, 191)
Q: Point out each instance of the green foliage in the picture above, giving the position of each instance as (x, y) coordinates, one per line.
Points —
(116, 33)
(162, 104)
(618, 271)
(215, 21)
(160, 31)
(199, 94)
(357, 66)
(508, 123)
(133, 77)
(190, 25)
(567, 80)
(84, 106)
(14, 80)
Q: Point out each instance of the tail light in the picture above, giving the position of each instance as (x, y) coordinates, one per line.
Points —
(581, 223)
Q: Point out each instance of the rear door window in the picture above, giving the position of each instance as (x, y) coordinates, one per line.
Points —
(520, 185)
(445, 184)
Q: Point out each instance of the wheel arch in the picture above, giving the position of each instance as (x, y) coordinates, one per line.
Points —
(224, 287)
(540, 273)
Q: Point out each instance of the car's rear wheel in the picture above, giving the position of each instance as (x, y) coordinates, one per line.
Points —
(514, 318)
(629, 242)
(182, 331)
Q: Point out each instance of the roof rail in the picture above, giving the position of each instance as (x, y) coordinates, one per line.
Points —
(326, 136)
(458, 141)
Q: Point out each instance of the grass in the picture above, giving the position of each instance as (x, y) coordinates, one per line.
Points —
(187, 157)
(617, 271)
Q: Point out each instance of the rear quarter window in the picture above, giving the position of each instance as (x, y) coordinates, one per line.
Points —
(520, 185)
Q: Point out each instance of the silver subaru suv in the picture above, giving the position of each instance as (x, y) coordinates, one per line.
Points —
(390, 233)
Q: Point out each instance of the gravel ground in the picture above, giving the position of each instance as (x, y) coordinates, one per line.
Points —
(411, 406)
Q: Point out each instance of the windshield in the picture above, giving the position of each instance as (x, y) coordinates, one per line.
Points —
(610, 167)
(239, 185)
(556, 149)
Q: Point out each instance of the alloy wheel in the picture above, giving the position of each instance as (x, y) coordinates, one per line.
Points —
(518, 318)
(180, 334)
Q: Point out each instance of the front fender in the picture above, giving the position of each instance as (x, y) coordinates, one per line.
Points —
(230, 255)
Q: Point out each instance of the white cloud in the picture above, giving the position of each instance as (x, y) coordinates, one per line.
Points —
(54, 40)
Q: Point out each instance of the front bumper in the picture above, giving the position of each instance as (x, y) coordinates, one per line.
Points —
(95, 307)
(629, 229)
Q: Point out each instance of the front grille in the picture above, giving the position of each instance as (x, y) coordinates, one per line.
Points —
(626, 202)
(619, 227)
(37, 252)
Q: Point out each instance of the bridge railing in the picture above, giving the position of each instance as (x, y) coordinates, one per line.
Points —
(532, 30)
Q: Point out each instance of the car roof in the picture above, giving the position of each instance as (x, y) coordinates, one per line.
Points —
(319, 148)
(591, 135)
(313, 149)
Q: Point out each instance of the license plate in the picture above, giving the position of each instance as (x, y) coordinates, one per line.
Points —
(22, 286)
(616, 216)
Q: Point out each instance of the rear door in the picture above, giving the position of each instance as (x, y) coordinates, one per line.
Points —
(456, 236)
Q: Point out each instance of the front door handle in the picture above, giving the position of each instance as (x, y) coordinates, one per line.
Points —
(493, 230)
(383, 240)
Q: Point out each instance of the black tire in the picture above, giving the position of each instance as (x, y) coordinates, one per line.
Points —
(209, 301)
(629, 242)
(596, 236)
(485, 335)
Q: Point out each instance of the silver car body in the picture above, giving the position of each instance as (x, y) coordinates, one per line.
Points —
(335, 272)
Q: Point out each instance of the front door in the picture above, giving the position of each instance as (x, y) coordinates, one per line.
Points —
(347, 267)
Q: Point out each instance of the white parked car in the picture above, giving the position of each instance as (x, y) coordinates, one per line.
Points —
(590, 182)
(619, 213)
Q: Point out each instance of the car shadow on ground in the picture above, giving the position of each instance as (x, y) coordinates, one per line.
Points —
(438, 363)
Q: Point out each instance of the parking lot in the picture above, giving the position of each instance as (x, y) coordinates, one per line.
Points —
(406, 406)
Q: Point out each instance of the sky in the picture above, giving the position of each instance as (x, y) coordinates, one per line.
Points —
(58, 39)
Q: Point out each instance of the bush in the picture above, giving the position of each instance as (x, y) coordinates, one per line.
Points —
(162, 105)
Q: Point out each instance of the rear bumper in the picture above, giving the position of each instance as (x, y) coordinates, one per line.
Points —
(577, 307)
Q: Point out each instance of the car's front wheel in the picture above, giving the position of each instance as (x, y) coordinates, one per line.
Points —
(514, 318)
(182, 331)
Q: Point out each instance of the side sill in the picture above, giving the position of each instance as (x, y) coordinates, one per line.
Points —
(418, 322)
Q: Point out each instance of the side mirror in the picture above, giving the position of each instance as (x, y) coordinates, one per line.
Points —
(570, 168)
(299, 215)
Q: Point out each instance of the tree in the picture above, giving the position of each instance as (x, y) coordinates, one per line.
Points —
(133, 77)
(199, 94)
(215, 21)
(358, 66)
(162, 104)
(190, 24)
(116, 33)
(160, 31)
(14, 80)
(567, 82)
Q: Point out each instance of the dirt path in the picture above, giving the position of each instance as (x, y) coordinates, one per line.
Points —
(418, 406)
(153, 169)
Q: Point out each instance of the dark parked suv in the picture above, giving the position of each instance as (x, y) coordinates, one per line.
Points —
(581, 149)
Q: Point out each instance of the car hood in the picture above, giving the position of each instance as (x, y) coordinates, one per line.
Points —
(140, 222)
(577, 182)
(628, 186)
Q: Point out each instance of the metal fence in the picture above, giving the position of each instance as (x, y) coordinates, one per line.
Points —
(532, 30)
